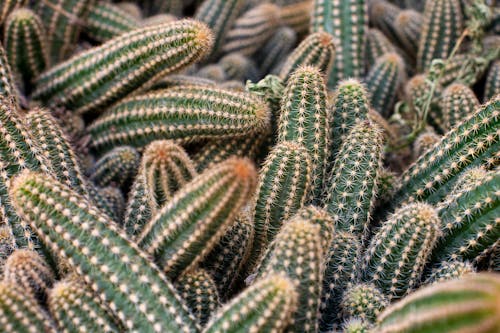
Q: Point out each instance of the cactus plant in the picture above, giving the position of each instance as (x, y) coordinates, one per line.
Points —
(377, 44)
(383, 16)
(7, 245)
(118, 271)
(8, 89)
(277, 47)
(424, 142)
(239, 67)
(186, 229)
(408, 27)
(296, 14)
(356, 325)
(164, 169)
(184, 114)
(457, 102)
(116, 167)
(76, 309)
(8, 6)
(395, 258)
(363, 301)
(115, 200)
(173, 7)
(449, 270)
(96, 78)
(468, 304)
(319, 217)
(492, 86)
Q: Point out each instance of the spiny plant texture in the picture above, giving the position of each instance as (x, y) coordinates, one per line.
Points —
(408, 27)
(377, 44)
(8, 90)
(383, 16)
(457, 102)
(116, 167)
(450, 270)
(363, 301)
(492, 86)
(424, 142)
(275, 50)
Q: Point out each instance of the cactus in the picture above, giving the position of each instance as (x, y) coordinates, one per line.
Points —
(443, 24)
(219, 16)
(19, 311)
(228, 258)
(456, 70)
(212, 72)
(173, 7)
(349, 107)
(395, 258)
(316, 50)
(75, 308)
(296, 14)
(424, 142)
(492, 86)
(157, 20)
(184, 114)
(383, 16)
(363, 301)
(387, 181)
(63, 21)
(252, 29)
(450, 270)
(457, 102)
(115, 200)
(116, 167)
(131, 8)
(303, 119)
(118, 271)
(347, 22)
(469, 304)
(106, 21)
(164, 169)
(383, 81)
(101, 202)
(94, 79)
(239, 67)
(298, 242)
(408, 26)
(266, 306)
(7, 245)
(26, 46)
(356, 325)
(467, 144)
(352, 190)
(319, 217)
(28, 269)
(8, 90)
(186, 229)
(341, 269)
(200, 293)
(8, 6)
(377, 45)
(284, 185)
(275, 50)
(171, 81)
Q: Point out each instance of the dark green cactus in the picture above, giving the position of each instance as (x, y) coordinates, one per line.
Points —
(395, 258)
(173, 7)
(8, 89)
(457, 102)
(320, 217)
(7, 245)
(408, 27)
(186, 229)
(450, 270)
(424, 142)
(165, 168)
(363, 301)
(8, 6)
(115, 200)
(184, 114)
(275, 50)
(118, 271)
(492, 86)
(116, 167)
(383, 16)
(469, 304)
(239, 67)
(75, 308)
(94, 79)
(377, 45)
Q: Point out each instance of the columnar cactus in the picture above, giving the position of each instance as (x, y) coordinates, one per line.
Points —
(408, 27)
(30, 271)
(239, 67)
(271, 55)
(341, 270)
(116, 167)
(165, 168)
(303, 119)
(395, 258)
(424, 142)
(106, 20)
(7, 245)
(186, 229)
(467, 144)
(252, 29)
(320, 217)
(173, 7)
(469, 304)
(266, 306)
(199, 291)
(219, 16)
(96, 78)
(450, 270)
(492, 86)
(19, 311)
(284, 185)
(457, 102)
(8, 6)
(298, 242)
(8, 90)
(115, 200)
(383, 16)
(213, 72)
(454, 71)
(75, 308)
(377, 44)
(316, 50)
(63, 21)
(296, 14)
(26, 46)
(347, 22)
(118, 271)
(363, 301)
(352, 185)
(443, 24)
(184, 114)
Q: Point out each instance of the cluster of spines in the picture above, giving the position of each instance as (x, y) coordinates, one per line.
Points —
(184, 114)
(116, 269)
(424, 142)
(317, 49)
(469, 304)
(363, 301)
(450, 270)
(320, 217)
(271, 55)
(8, 89)
(116, 167)
(457, 102)
(7, 244)
(26, 46)
(165, 168)
(186, 229)
(96, 78)
(347, 22)
(252, 29)
(396, 256)
(443, 23)
(75, 308)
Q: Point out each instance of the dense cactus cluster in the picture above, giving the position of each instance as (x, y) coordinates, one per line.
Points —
(261, 166)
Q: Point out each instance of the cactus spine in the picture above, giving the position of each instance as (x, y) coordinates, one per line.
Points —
(266, 306)
(457, 102)
(363, 301)
(164, 169)
(450, 270)
(395, 258)
(186, 229)
(469, 304)
(96, 78)
(184, 114)
(118, 271)
(116, 167)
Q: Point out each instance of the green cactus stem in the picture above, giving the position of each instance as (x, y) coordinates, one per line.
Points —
(8, 89)
(492, 86)
(116, 167)
(270, 56)
(450, 270)
(457, 102)
(363, 301)
(408, 27)
(377, 44)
